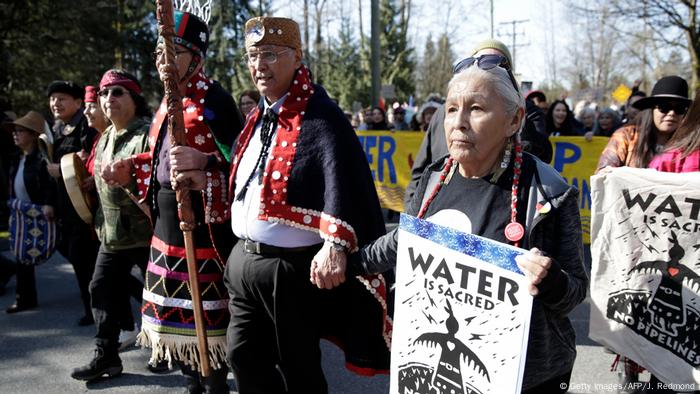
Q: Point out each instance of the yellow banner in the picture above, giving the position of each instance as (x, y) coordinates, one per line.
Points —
(576, 159)
(391, 155)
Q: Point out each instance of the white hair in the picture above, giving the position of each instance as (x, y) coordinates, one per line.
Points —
(498, 78)
(584, 112)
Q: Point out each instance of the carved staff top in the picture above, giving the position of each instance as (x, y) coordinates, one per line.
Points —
(176, 129)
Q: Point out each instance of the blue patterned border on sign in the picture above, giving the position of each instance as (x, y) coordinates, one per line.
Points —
(481, 248)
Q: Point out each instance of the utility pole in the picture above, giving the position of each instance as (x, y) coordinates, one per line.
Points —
(514, 38)
(376, 75)
(491, 18)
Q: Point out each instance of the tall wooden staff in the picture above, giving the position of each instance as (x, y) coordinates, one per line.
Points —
(176, 131)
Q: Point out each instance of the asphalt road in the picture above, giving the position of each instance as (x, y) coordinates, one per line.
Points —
(39, 348)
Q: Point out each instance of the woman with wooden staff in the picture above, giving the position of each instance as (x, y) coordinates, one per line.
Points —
(122, 227)
(212, 121)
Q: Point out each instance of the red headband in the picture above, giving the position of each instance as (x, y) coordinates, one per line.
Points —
(90, 94)
(112, 78)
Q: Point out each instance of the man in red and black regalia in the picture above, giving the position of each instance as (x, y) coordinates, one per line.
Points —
(212, 122)
(299, 182)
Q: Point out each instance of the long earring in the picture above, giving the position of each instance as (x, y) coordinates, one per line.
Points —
(507, 154)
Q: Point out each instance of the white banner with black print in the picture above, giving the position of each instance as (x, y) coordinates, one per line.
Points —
(645, 278)
(462, 313)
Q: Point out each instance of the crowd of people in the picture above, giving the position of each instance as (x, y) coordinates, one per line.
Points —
(287, 221)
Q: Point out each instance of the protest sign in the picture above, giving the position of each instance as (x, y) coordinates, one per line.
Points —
(462, 313)
(645, 280)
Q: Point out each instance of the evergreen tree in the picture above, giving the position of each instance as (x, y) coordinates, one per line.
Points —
(341, 71)
(397, 60)
(225, 61)
(435, 69)
(45, 40)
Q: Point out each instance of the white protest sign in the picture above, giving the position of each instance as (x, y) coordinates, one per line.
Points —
(462, 313)
(645, 278)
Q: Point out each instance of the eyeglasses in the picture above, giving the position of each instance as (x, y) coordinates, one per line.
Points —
(159, 52)
(267, 57)
(487, 62)
(116, 92)
(677, 108)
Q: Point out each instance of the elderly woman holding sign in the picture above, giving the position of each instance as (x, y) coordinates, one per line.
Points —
(489, 187)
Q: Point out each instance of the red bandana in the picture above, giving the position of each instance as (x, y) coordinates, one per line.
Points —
(112, 78)
(90, 94)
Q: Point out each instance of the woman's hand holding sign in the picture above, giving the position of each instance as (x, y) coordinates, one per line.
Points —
(535, 266)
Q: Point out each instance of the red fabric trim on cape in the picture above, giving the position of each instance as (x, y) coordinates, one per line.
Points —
(200, 137)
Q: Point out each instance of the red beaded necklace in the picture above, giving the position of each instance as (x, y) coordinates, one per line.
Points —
(514, 231)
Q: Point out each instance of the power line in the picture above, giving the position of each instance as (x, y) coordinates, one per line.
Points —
(514, 37)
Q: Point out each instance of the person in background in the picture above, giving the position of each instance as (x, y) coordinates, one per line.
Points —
(425, 114)
(366, 120)
(378, 119)
(539, 98)
(247, 101)
(560, 120)
(608, 122)
(30, 183)
(682, 152)
(78, 242)
(97, 120)
(399, 121)
(631, 111)
(636, 144)
(660, 115)
(8, 153)
(587, 118)
(123, 228)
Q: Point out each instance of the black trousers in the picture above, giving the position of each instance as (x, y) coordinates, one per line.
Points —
(110, 292)
(80, 248)
(26, 285)
(273, 336)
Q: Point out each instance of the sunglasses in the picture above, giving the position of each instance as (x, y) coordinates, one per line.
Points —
(487, 62)
(116, 92)
(677, 108)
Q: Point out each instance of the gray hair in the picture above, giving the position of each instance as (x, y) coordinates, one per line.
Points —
(498, 78)
(584, 112)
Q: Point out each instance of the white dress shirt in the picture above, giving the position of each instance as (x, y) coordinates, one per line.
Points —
(244, 213)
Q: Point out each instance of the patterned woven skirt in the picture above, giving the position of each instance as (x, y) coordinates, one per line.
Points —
(32, 236)
(167, 317)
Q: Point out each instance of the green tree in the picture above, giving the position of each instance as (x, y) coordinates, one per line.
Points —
(397, 57)
(45, 40)
(77, 40)
(341, 71)
(225, 56)
(435, 69)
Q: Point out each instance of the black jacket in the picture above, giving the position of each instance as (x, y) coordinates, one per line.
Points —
(80, 138)
(40, 186)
